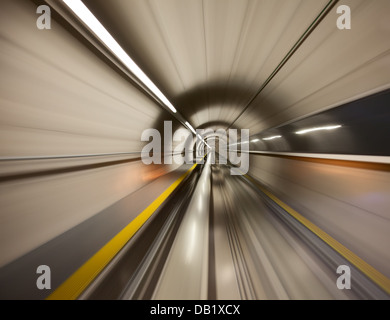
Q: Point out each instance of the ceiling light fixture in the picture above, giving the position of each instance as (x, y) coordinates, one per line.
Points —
(198, 135)
(191, 128)
(272, 138)
(318, 129)
(79, 8)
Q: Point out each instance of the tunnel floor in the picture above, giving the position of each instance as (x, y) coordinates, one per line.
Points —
(234, 244)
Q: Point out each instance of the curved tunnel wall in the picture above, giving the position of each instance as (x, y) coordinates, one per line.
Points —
(349, 203)
(58, 98)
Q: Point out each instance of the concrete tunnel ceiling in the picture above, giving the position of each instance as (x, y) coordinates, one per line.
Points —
(211, 58)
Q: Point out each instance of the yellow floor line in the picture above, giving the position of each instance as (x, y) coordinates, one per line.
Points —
(379, 278)
(78, 281)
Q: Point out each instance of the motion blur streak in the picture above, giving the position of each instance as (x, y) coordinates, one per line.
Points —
(72, 179)
(87, 17)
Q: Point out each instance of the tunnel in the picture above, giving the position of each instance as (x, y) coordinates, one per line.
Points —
(194, 150)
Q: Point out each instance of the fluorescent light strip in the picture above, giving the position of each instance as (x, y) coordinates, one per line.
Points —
(256, 140)
(272, 138)
(98, 29)
(200, 138)
(191, 128)
(198, 135)
(318, 129)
